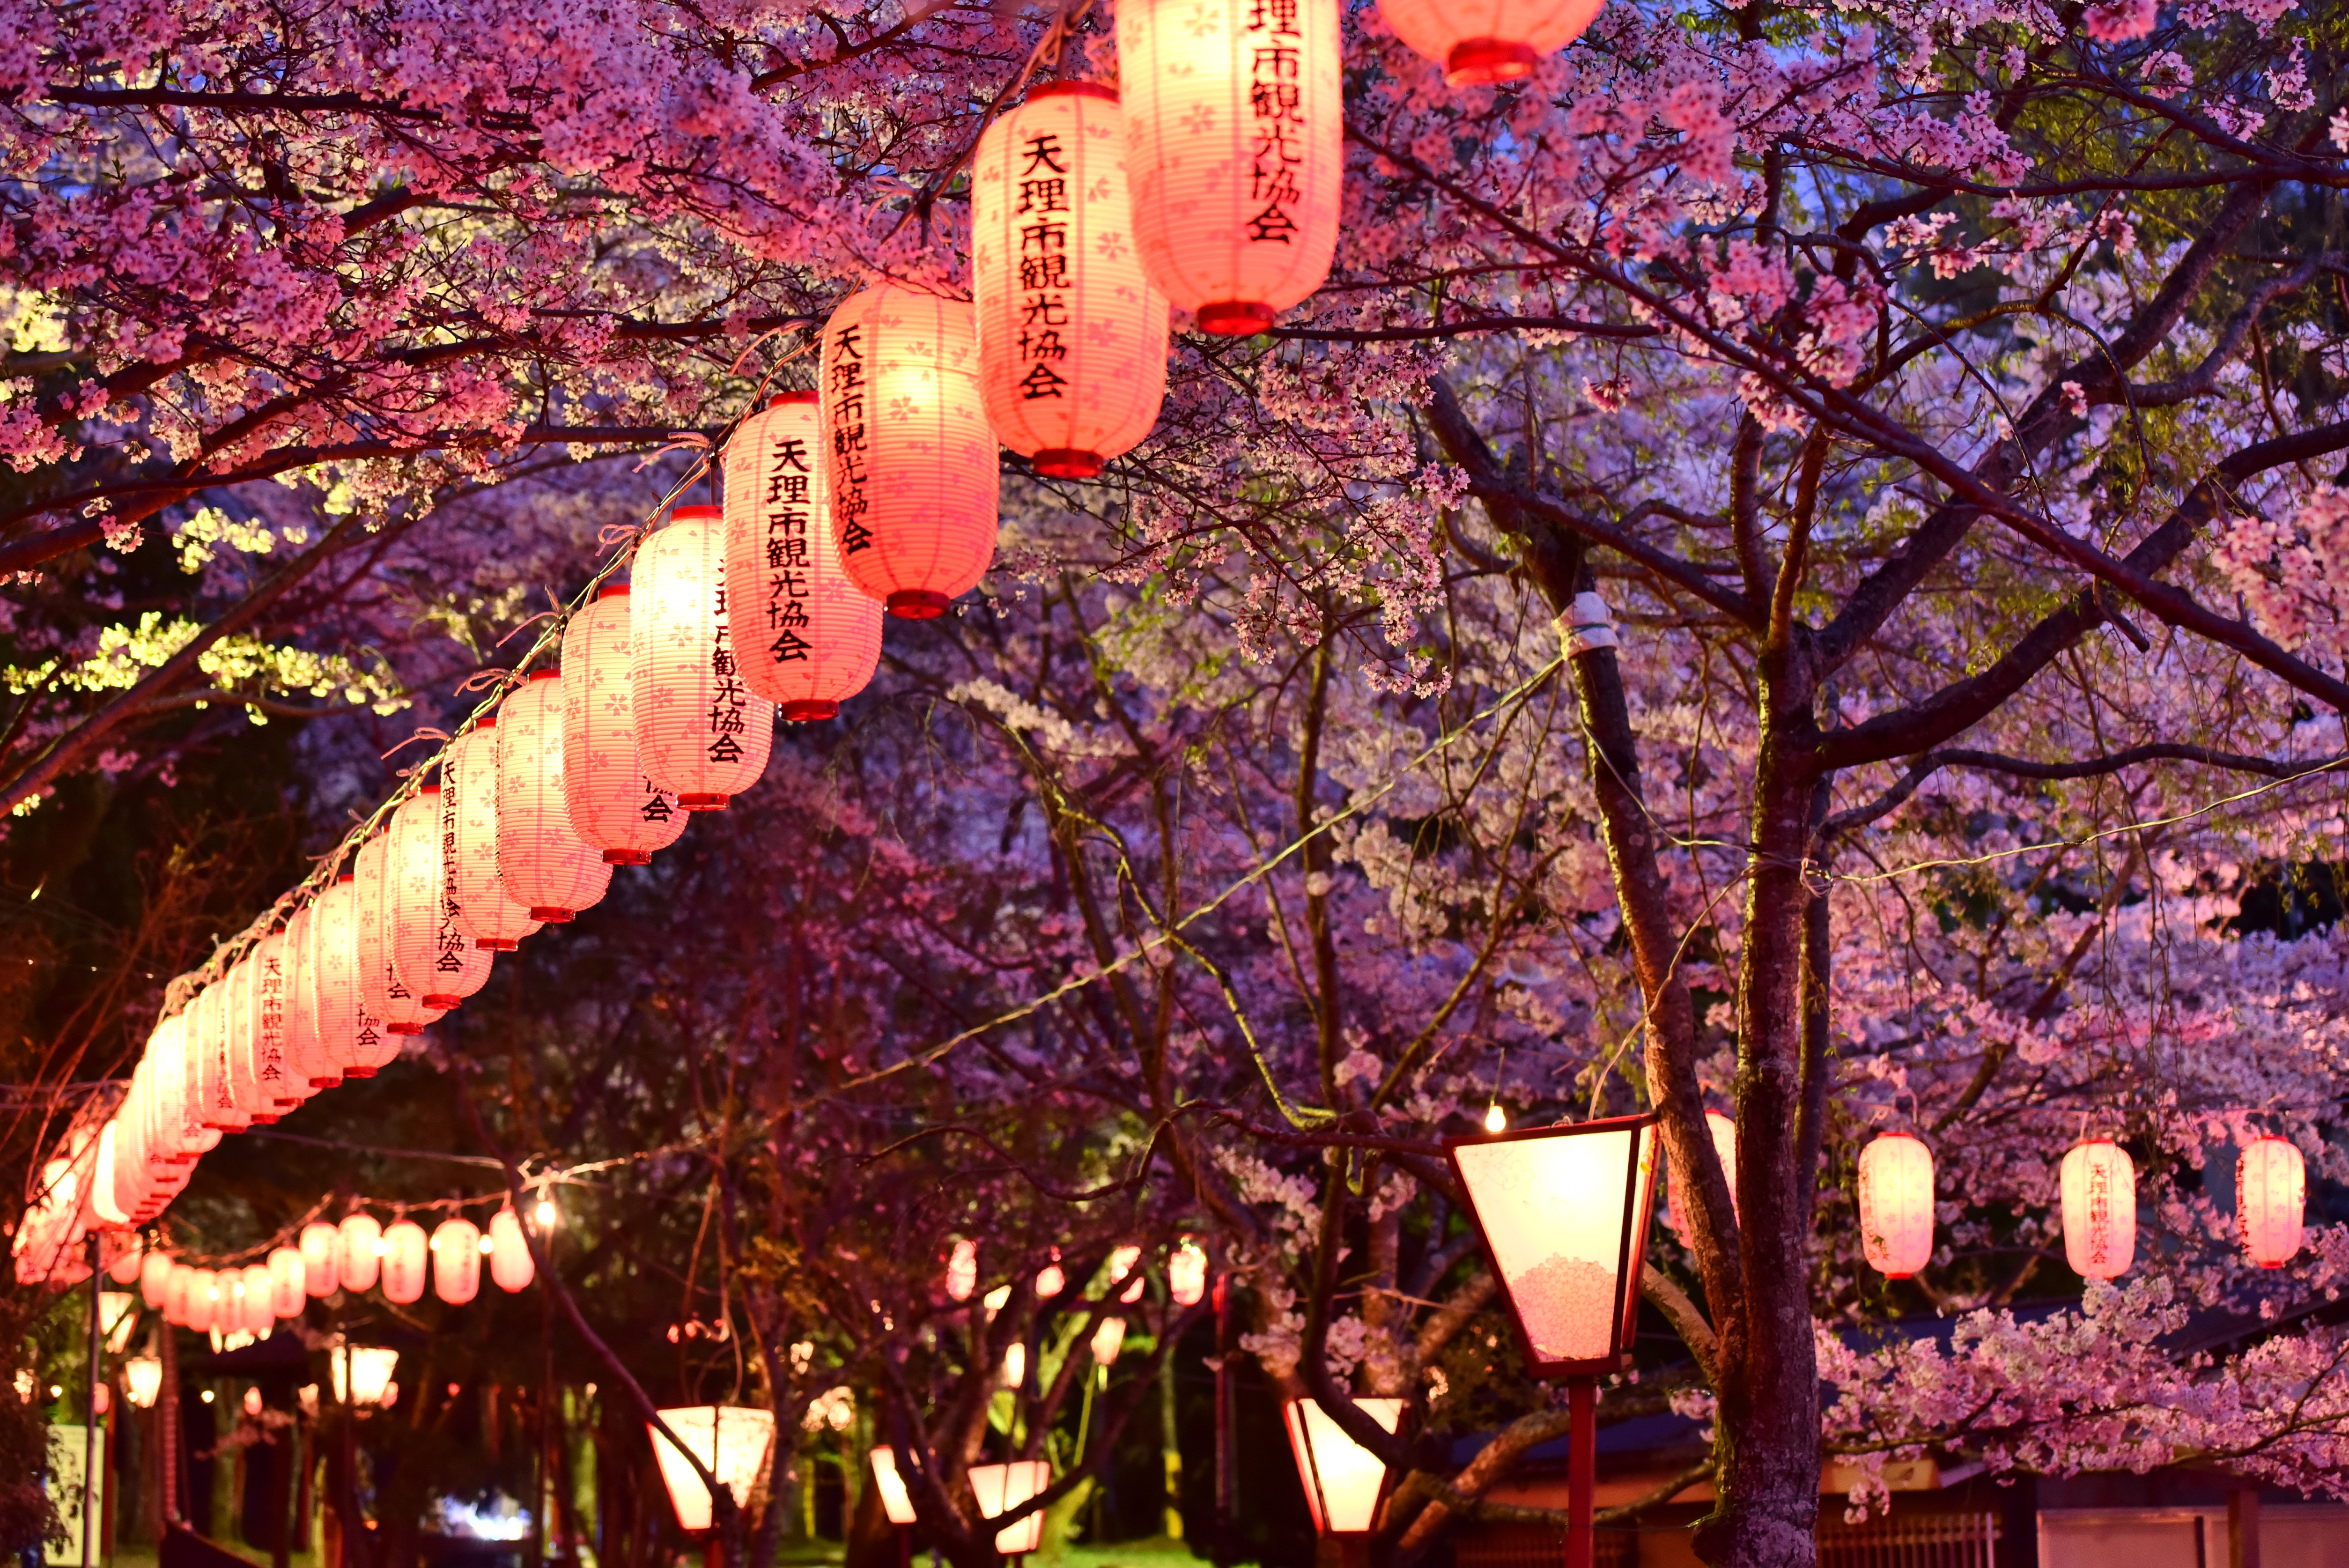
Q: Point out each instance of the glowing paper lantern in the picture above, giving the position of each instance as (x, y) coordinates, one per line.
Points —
(250, 1073)
(318, 1246)
(895, 1500)
(358, 1256)
(1186, 1274)
(468, 803)
(1000, 1489)
(210, 1033)
(1678, 1207)
(405, 1252)
(510, 1261)
(911, 463)
(1051, 1279)
(614, 807)
(1236, 149)
(803, 635)
(545, 865)
(2270, 1200)
(305, 1057)
(699, 730)
(1071, 333)
(962, 1271)
(430, 956)
(1482, 41)
(348, 1033)
(2099, 1190)
(1109, 1338)
(175, 1293)
(143, 1377)
(256, 1301)
(1896, 1204)
(1123, 1265)
(1342, 1478)
(288, 1279)
(456, 1260)
(385, 995)
(731, 1443)
(155, 1278)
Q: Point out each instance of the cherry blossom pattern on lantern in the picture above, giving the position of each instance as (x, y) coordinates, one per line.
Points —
(700, 731)
(403, 1009)
(613, 806)
(485, 911)
(432, 958)
(544, 864)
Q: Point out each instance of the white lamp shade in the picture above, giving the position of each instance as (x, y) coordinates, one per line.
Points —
(1000, 1489)
(2098, 1182)
(142, 1376)
(896, 1501)
(456, 1260)
(700, 731)
(544, 865)
(1896, 1204)
(406, 1250)
(320, 1255)
(431, 956)
(362, 1373)
(382, 990)
(2270, 1200)
(286, 1295)
(1109, 1338)
(1342, 1478)
(510, 1261)
(358, 1256)
(731, 1443)
(614, 807)
(468, 803)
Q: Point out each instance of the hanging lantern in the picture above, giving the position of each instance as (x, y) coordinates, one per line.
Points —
(731, 1443)
(272, 1020)
(359, 1255)
(1109, 1338)
(406, 1250)
(1000, 1489)
(545, 865)
(429, 955)
(468, 803)
(287, 1280)
(1342, 1478)
(456, 1260)
(1051, 1279)
(1071, 333)
(911, 465)
(257, 1300)
(306, 1059)
(1236, 148)
(255, 1095)
(1486, 41)
(962, 1271)
(803, 635)
(217, 1093)
(614, 807)
(1896, 1204)
(207, 1298)
(2270, 1200)
(403, 1010)
(1124, 1265)
(320, 1275)
(1679, 1208)
(510, 1261)
(174, 1306)
(2099, 1189)
(895, 1500)
(700, 731)
(1015, 1365)
(349, 1033)
(1186, 1274)
(142, 1376)
(155, 1278)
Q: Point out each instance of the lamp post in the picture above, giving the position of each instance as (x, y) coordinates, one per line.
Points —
(1342, 1478)
(1000, 1489)
(731, 1442)
(1563, 1212)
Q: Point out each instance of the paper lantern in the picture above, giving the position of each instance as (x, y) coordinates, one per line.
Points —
(2099, 1190)
(1236, 148)
(1679, 1207)
(307, 1058)
(287, 1295)
(699, 730)
(1051, 1279)
(359, 1255)
(2270, 1200)
(1342, 1478)
(403, 1010)
(911, 463)
(1071, 333)
(256, 1093)
(1186, 1274)
(1123, 1265)
(614, 807)
(1000, 1489)
(803, 635)
(1109, 1338)
(105, 1212)
(256, 1301)
(456, 1260)
(896, 1501)
(320, 1256)
(1483, 41)
(731, 1443)
(207, 1300)
(142, 1376)
(545, 865)
(962, 1271)
(431, 956)
(510, 1261)
(405, 1252)
(155, 1278)
(1896, 1204)
(272, 1063)
(351, 1034)
(208, 1033)
(468, 803)
(175, 1305)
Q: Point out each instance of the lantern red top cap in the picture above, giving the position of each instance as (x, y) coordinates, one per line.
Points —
(791, 400)
(429, 789)
(1073, 89)
(545, 674)
(346, 876)
(697, 514)
(613, 591)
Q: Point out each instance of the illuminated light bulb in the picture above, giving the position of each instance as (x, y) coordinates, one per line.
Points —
(1495, 1118)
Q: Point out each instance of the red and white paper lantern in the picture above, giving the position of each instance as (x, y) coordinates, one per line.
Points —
(1478, 42)
(1071, 332)
(804, 635)
(288, 1278)
(613, 806)
(1896, 1204)
(320, 1254)
(271, 1063)
(255, 1095)
(351, 1036)
(469, 803)
(256, 1293)
(510, 1261)
(385, 993)
(406, 1250)
(358, 1252)
(221, 1109)
(1236, 148)
(306, 1054)
(2099, 1191)
(456, 1260)
(910, 464)
(431, 956)
(545, 865)
(2270, 1200)
(155, 1278)
(700, 731)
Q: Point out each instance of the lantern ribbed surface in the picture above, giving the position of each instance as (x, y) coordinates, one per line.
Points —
(1071, 331)
(804, 635)
(255, 1300)
(272, 1062)
(468, 800)
(306, 1060)
(699, 730)
(320, 1276)
(614, 807)
(385, 995)
(1236, 149)
(510, 1261)
(910, 462)
(405, 1252)
(286, 1295)
(350, 1035)
(433, 959)
(359, 1255)
(219, 1100)
(456, 1260)
(253, 1097)
(545, 865)
(2270, 1200)
(1896, 1204)
(155, 1278)
(2098, 1182)
(1482, 41)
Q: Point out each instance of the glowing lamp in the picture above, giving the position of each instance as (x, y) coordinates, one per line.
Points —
(286, 1279)
(730, 1441)
(306, 1060)
(511, 1267)
(469, 831)
(2099, 1190)
(1342, 1478)
(1123, 1262)
(353, 1037)
(272, 1063)
(1679, 1207)
(2270, 1200)
(962, 1271)
(613, 806)
(429, 955)
(1071, 333)
(1236, 149)
(403, 1009)
(544, 865)
(1000, 1489)
(359, 1254)
(1051, 1279)
(700, 732)
(1015, 1366)
(1186, 1274)
(155, 1278)
(1478, 42)
(362, 1374)
(896, 1501)
(1896, 1204)
(405, 1251)
(143, 1377)
(256, 1301)
(319, 1257)
(803, 635)
(1109, 1338)
(456, 1249)
(117, 1317)
(911, 463)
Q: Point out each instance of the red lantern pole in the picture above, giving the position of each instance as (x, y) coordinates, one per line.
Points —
(1581, 1471)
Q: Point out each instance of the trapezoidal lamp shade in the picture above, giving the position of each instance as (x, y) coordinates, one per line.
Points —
(895, 1501)
(613, 806)
(2098, 1182)
(1000, 1489)
(730, 1441)
(1071, 332)
(1236, 149)
(1563, 1214)
(1342, 1478)
(699, 730)
(430, 956)
(1478, 42)
(362, 1373)
(1896, 1204)
(144, 1378)
(2270, 1200)
(544, 865)
(468, 829)
(804, 637)
(910, 462)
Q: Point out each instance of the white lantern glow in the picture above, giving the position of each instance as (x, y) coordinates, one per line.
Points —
(896, 1501)
(2270, 1200)
(510, 1261)
(468, 803)
(613, 806)
(359, 1249)
(700, 731)
(405, 1252)
(143, 1379)
(544, 864)
(1896, 1204)
(431, 956)
(456, 1260)
(1342, 1478)
(1109, 1338)
(1000, 1489)
(286, 1278)
(1186, 1274)
(731, 1443)
(962, 1271)
(2098, 1182)
(362, 1374)
(320, 1248)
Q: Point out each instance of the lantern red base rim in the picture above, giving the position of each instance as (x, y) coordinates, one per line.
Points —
(550, 913)
(810, 710)
(403, 1029)
(496, 944)
(2277, 1265)
(918, 604)
(445, 1003)
(704, 801)
(1480, 62)
(1068, 462)
(261, 1120)
(327, 1083)
(627, 857)
(358, 1072)
(1235, 318)
(1900, 1276)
